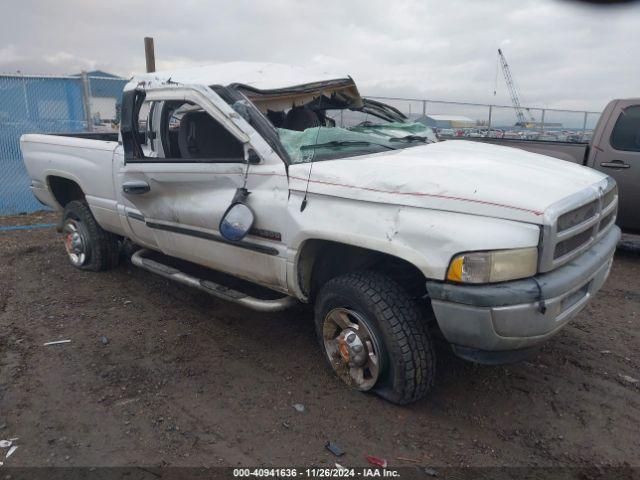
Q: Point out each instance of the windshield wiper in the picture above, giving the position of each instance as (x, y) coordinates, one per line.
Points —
(346, 143)
(410, 138)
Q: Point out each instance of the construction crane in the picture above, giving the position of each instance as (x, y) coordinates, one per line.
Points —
(524, 120)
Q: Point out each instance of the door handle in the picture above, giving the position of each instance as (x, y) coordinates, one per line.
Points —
(137, 187)
(615, 164)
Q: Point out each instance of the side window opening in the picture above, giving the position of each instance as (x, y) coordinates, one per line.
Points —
(144, 126)
(200, 136)
(181, 131)
(626, 132)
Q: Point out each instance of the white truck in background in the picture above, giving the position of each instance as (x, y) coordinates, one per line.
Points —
(393, 236)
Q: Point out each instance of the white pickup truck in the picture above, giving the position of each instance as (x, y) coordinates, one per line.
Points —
(394, 237)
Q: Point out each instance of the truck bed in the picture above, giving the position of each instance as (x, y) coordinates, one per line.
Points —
(107, 136)
(86, 161)
(571, 152)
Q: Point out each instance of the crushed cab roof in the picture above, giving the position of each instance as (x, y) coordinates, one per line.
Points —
(259, 76)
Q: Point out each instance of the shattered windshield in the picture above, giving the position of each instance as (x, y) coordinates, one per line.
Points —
(310, 135)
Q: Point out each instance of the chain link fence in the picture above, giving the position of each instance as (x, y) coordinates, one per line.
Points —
(45, 104)
(86, 103)
(502, 121)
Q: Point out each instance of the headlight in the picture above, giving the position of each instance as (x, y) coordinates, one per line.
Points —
(496, 266)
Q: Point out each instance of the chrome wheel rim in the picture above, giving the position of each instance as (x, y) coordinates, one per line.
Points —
(75, 243)
(352, 348)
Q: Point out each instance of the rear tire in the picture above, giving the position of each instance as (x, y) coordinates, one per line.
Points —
(88, 246)
(387, 322)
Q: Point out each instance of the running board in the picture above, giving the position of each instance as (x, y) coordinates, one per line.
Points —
(212, 288)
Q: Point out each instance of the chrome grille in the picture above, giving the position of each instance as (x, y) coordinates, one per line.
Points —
(577, 216)
(572, 243)
(607, 220)
(579, 222)
(610, 196)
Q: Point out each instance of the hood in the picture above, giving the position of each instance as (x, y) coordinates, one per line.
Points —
(459, 176)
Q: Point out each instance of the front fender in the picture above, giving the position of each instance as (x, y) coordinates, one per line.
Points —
(427, 239)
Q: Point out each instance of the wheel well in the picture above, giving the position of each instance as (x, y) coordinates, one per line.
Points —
(65, 190)
(322, 260)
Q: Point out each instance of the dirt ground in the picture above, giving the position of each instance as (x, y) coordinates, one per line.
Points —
(157, 374)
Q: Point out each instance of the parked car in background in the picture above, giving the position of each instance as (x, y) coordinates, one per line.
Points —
(393, 236)
(473, 133)
(446, 132)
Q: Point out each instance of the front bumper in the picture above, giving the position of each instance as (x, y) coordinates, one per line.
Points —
(517, 315)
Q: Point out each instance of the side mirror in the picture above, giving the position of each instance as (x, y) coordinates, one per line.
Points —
(252, 157)
(238, 219)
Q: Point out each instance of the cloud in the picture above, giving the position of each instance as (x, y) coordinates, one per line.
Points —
(9, 55)
(69, 62)
(562, 53)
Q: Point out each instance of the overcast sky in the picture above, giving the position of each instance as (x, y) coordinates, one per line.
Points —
(562, 54)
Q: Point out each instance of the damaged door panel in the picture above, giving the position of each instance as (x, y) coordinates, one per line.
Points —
(194, 158)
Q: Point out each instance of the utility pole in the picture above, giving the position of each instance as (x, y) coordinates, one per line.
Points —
(149, 54)
(86, 100)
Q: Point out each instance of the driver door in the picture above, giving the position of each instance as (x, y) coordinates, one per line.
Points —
(177, 179)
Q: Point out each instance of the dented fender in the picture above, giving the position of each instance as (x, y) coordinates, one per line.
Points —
(427, 239)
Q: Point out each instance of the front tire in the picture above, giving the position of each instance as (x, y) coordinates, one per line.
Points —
(88, 246)
(374, 338)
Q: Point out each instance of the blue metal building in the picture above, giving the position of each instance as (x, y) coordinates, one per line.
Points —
(39, 104)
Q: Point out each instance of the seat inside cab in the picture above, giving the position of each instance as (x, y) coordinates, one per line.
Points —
(200, 136)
